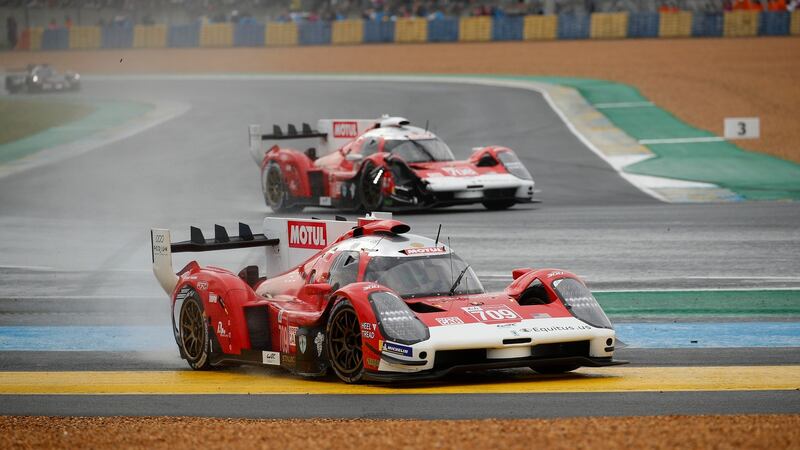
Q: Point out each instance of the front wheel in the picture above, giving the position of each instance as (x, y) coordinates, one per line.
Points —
(498, 205)
(193, 334)
(344, 343)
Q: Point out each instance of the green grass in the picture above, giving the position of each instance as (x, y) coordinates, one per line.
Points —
(23, 118)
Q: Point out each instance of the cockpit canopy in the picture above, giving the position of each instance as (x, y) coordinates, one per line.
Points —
(411, 265)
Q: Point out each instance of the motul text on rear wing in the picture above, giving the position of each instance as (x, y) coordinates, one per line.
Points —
(162, 248)
(277, 134)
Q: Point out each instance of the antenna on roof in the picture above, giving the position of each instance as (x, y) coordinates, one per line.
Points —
(451, 262)
(437, 236)
(426, 125)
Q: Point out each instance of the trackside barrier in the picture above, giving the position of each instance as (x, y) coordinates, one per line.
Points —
(411, 29)
(378, 31)
(150, 36)
(84, 37)
(573, 26)
(508, 28)
(116, 36)
(55, 39)
(314, 33)
(443, 30)
(707, 24)
(184, 35)
(248, 34)
(540, 27)
(30, 39)
(475, 29)
(281, 33)
(609, 25)
(675, 24)
(795, 27)
(347, 32)
(643, 24)
(774, 23)
(741, 23)
(216, 35)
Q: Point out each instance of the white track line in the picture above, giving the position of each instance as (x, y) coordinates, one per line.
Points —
(622, 105)
(693, 140)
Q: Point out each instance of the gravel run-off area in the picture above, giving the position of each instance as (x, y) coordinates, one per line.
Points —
(177, 433)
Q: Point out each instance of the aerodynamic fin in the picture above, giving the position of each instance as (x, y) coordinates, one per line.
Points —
(163, 248)
(277, 134)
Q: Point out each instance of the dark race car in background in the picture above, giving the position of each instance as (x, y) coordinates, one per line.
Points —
(41, 78)
(383, 164)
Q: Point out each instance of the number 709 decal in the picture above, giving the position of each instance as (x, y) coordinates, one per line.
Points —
(491, 313)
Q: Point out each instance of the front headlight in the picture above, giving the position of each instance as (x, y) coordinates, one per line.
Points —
(35, 78)
(513, 165)
(396, 320)
(581, 303)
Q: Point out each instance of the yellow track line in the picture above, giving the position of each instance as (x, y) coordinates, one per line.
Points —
(263, 381)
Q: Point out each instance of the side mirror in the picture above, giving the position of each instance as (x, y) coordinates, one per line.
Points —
(354, 157)
(516, 273)
(317, 289)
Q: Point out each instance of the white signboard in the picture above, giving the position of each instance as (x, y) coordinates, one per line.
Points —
(742, 128)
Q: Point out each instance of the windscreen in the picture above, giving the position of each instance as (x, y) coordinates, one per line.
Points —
(424, 276)
(423, 150)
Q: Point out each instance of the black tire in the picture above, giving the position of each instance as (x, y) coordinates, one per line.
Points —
(370, 193)
(193, 333)
(499, 205)
(276, 193)
(556, 369)
(343, 335)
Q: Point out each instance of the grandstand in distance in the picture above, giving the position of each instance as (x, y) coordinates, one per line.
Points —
(75, 24)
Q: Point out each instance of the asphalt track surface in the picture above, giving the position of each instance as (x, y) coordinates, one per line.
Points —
(75, 236)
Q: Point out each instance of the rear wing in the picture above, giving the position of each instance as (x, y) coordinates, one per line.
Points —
(256, 137)
(288, 242)
(333, 134)
(163, 248)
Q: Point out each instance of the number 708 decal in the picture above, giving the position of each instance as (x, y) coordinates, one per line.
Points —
(491, 313)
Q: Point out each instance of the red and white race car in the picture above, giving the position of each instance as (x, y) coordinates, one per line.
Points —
(372, 302)
(383, 164)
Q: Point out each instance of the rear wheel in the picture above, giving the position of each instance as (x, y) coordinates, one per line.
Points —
(193, 333)
(370, 187)
(276, 193)
(556, 369)
(344, 343)
(497, 205)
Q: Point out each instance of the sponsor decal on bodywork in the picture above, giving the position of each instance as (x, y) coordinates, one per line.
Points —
(449, 320)
(399, 349)
(368, 330)
(459, 171)
(319, 340)
(423, 250)
(301, 342)
(345, 129)
(310, 235)
(271, 358)
(287, 337)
